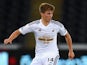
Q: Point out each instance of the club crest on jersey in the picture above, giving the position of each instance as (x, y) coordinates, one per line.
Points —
(39, 29)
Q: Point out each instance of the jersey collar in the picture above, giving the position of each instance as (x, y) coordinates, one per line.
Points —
(43, 24)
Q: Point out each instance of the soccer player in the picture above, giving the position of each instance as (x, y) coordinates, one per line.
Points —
(45, 30)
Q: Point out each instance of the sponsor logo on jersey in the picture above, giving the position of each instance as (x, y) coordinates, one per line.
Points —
(45, 39)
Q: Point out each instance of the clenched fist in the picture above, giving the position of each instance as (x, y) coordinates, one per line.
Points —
(7, 41)
(71, 55)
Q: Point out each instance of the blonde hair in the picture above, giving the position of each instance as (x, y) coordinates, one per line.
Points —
(46, 6)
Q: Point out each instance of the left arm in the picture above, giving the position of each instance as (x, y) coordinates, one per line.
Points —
(69, 43)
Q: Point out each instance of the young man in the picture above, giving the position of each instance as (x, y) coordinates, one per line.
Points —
(45, 30)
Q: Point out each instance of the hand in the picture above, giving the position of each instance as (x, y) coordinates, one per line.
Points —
(71, 55)
(7, 41)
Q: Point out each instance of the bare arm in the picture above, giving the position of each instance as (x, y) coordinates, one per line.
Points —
(14, 35)
(69, 42)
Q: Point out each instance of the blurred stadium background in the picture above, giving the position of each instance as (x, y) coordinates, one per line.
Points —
(16, 13)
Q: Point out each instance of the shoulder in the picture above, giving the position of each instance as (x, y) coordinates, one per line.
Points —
(57, 23)
(34, 22)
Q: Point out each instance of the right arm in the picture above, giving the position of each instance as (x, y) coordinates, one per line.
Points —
(23, 30)
(14, 35)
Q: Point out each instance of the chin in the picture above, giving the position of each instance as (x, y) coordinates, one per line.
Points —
(48, 20)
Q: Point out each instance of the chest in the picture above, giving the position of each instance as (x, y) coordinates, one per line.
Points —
(46, 31)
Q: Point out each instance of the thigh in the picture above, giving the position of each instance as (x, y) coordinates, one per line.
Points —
(50, 60)
(36, 61)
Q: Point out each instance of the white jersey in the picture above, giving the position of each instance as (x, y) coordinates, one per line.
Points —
(45, 36)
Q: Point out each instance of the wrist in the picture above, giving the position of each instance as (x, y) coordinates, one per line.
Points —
(71, 50)
(9, 39)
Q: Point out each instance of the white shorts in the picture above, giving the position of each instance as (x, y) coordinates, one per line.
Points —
(45, 59)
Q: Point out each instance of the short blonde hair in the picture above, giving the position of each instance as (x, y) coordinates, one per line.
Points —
(46, 6)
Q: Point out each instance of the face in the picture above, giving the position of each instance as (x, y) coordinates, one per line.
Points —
(47, 15)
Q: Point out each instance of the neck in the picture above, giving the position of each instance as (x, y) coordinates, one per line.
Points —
(45, 22)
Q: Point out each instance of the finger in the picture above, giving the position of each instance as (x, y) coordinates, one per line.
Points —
(71, 57)
(10, 42)
(6, 41)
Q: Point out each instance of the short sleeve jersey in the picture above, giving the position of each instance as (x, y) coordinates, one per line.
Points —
(45, 36)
